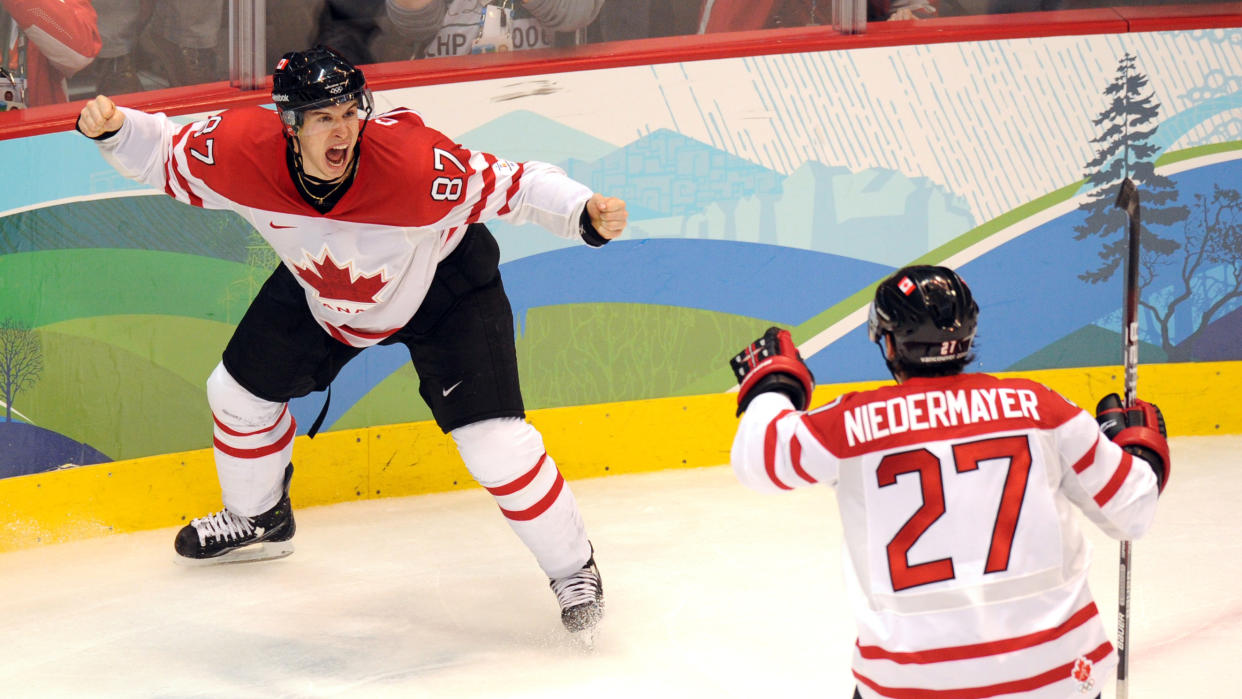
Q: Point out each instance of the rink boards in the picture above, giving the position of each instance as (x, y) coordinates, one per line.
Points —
(773, 188)
(586, 441)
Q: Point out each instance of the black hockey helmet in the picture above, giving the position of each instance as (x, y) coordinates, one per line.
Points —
(930, 314)
(314, 79)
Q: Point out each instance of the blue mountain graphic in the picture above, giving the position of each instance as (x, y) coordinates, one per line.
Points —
(667, 174)
(523, 135)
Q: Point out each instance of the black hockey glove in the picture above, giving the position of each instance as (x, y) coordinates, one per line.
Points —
(1139, 430)
(772, 363)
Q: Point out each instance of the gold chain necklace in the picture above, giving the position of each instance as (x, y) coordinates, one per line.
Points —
(306, 189)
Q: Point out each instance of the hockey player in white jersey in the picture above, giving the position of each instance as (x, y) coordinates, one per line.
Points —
(381, 241)
(964, 561)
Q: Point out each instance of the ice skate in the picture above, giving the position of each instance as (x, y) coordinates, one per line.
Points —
(581, 596)
(225, 537)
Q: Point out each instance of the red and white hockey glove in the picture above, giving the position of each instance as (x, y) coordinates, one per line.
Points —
(772, 363)
(1139, 430)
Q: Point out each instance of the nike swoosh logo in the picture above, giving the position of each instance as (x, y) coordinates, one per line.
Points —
(449, 390)
(273, 225)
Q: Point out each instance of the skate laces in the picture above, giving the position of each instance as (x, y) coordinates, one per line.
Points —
(222, 525)
(580, 588)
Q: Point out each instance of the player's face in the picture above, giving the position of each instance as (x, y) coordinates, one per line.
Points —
(327, 139)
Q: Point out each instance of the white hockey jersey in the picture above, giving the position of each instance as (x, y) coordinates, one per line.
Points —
(367, 264)
(966, 568)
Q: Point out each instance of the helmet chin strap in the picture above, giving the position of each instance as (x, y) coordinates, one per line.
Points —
(291, 141)
(889, 351)
(295, 147)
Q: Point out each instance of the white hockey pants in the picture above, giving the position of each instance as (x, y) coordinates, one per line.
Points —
(506, 456)
(254, 441)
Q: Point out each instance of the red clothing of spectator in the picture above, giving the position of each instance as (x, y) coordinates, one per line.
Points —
(740, 15)
(62, 37)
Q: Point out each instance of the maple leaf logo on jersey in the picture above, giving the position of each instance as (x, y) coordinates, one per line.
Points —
(1082, 673)
(340, 287)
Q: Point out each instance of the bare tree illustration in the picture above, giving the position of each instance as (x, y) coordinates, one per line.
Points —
(1209, 274)
(21, 361)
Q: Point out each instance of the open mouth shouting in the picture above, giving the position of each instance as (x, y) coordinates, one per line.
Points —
(337, 157)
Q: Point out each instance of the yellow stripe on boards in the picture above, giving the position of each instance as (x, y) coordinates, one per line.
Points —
(586, 441)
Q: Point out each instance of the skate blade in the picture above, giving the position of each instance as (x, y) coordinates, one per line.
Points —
(263, 551)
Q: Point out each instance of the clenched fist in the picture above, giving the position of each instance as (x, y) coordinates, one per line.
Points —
(100, 116)
(608, 215)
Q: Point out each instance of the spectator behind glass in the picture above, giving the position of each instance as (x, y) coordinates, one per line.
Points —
(741, 15)
(184, 46)
(458, 27)
(45, 42)
(620, 20)
(1000, 7)
(350, 28)
(359, 30)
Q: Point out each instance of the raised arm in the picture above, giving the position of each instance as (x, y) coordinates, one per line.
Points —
(137, 144)
(564, 15)
(417, 20)
(452, 186)
(151, 149)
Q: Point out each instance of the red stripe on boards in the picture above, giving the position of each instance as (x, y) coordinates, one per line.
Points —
(981, 650)
(769, 450)
(259, 452)
(1043, 679)
(1114, 484)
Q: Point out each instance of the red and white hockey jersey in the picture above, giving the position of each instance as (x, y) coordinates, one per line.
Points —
(367, 264)
(964, 561)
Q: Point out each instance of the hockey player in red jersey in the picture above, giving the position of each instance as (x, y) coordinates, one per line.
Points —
(964, 561)
(378, 224)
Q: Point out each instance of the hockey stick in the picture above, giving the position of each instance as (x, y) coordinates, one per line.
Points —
(1128, 199)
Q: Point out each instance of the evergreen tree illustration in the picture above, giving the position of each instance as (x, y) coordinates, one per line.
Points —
(1124, 148)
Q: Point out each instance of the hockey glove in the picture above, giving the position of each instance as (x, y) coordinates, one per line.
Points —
(772, 363)
(1139, 430)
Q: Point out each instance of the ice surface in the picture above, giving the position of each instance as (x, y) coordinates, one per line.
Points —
(712, 591)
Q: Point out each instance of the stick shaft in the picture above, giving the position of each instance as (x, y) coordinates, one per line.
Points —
(1130, 313)
(1123, 623)
(1128, 199)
